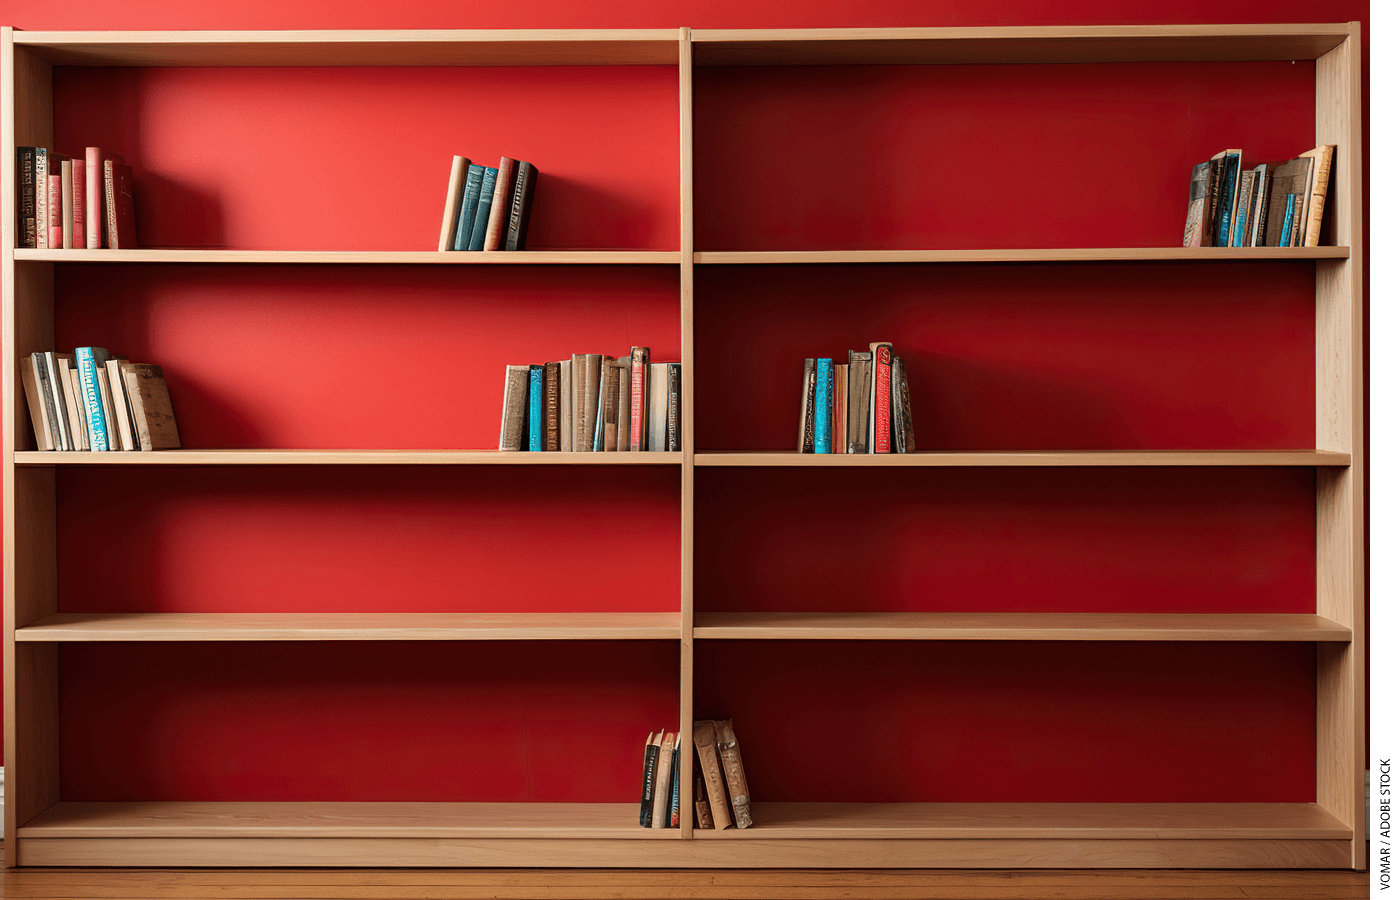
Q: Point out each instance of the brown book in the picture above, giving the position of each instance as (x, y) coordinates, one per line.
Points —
(624, 404)
(77, 410)
(587, 369)
(1197, 205)
(52, 386)
(839, 376)
(120, 205)
(551, 406)
(858, 401)
(1289, 180)
(703, 819)
(66, 173)
(38, 409)
(456, 178)
(733, 765)
(150, 406)
(606, 425)
(650, 751)
(661, 801)
(1317, 196)
(499, 218)
(109, 410)
(706, 745)
(513, 406)
(807, 423)
(901, 401)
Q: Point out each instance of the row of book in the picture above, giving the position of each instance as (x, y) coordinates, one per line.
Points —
(594, 403)
(91, 400)
(721, 788)
(487, 209)
(1278, 204)
(68, 203)
(860, 407)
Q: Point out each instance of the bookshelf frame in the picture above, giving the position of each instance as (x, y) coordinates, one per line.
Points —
(1329, 833)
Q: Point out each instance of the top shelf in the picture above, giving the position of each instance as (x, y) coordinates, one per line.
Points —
(712, 47)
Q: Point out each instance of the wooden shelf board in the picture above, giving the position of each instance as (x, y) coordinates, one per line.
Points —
(1030, 458)
(960, 626)
(72, 627)
(1079, 821)
(481, 47)
(1028, 44)
(339, 457)
(358, 257)
(1035, 255)
(169, 819)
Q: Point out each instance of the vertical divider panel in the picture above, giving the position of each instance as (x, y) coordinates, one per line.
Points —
(1339, 386)
(687, 179)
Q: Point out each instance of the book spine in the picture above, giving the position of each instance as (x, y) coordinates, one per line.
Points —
(624, 405)
(1196, 205)
(1242, 208)
(840, 378)
(551, 407)
(466, 216)
(906, 419)
(857, 401)
(662, 791)
(804, 407)
(733, 764)
(648, 780)
(675, 818)
(656, 408)
(109, 189)
(880, 399)
(55, 211)
(1295, 237)
(500, 204)
(1225, 214)
(51, 409)
(607, 389)
(483, 210)
(513, 406)
(1287, 230)
(705, 746)
(521, 198)
(703, 819)
(1317, 203)
(673, 406)
(79, 204)
(566, 406)
(821, 432)
(452, 207)
(25, 230)
(38, 409)
(1262, 182)
(92, 398)
(41, 198)
(92, 217)
(535, 416)
(109, 410)
(73, 396)
(641, 362)
(66, 175)
(54, 373)
(1212, 207)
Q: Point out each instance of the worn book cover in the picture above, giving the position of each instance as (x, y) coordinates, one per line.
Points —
(513, 406)
(1217, 168)
(466, 211)
(882, 355)
(483, 209)
(624, 400)
(857, 401)
(606, 425)
(656, 407)
(1317, 195)
(79, 188)
(522, 196)
(587, 368)
(1286, 186)
(1229, 194)
(806, 422)
(675, 805)
(551, 407)
(703, 819)
(53, 412)
(566, 405)
(1258, 216)
(660, 807)
(498, 218)
(54, 383)
(637, 408)
(706, 745)
(839, 376)
(821, 408)
(452, 209)
(56, 211)
(901, 399)
(650, 751)
(534, 411)
(73, 396)
(38, 409)
(733, 765)
(121, 205)
(673, 407)
(1197, 199)
(24, 197)
(109, 409)
(1238, 227)
(150, 402)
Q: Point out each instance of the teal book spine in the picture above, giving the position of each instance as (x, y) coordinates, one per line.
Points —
(535, 410)
(1286, 231)
(674, 819)
(1229, 174)
(483, 209)
(471, 196)
(822, 431)
(88, 359)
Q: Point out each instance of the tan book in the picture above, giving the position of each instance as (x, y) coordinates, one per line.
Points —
(707, 748)
(38, 409)
(566, 406)
(52, 388)
(661, 800)
(150, 406)
(587, 368)
(125, 427)
(1317, 195)
(109, 412)
(656, 407)
(733, 765)
(456, 179)
(66, 172)
(839, 376)
(513, 407)
(624, 404)
(805, 421)
(496, 221)
(77, 410)
(607, 405)
(703, 819)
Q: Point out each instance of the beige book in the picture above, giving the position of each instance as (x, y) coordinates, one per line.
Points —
(661, 801)
(587, 369)
(456, 178)
(733, 765)
(66, 173)
(38, 409)
(123, 410)
(705, 745)
(150, 406)
(566, 406)
(656, 407)
(513, 407)
(77, 409)
(1317, 193)
(703, 819)
(109, 411)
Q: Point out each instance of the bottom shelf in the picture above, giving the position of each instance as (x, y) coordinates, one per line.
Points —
(953, 835)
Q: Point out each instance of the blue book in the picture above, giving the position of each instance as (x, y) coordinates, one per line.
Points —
(1230, 176)
(534, 410)
(1286, 229)
(471, 196)
(822, 407)
(88, 360)
(483, 210)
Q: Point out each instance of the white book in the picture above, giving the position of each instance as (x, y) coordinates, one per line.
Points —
(566, 406)
(656, 407)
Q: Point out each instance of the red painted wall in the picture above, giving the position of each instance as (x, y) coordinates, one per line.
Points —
(1122, 356)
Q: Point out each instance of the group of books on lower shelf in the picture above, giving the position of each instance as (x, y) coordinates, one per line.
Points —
(860, 407)
(91, 400)
(594, 403)
(1278, 204)
(487, 209)
(721, 788)
(74, 202)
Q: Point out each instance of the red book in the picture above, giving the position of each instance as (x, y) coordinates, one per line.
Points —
(121, 206)
(56, 203)
(79, 204)
(93, 192)
(637, 437)
(883, 355)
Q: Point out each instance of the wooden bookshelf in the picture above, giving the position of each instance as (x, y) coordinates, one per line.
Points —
(47, 831)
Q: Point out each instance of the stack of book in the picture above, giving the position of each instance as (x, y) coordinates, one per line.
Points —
(860, 407)
(593, 403)
(1278, 204)
(73, 203)
(487, 209)
(722, 788)
(91, 400)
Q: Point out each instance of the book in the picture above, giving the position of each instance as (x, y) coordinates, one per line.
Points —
(821, 406)
(733, 765)
(896, 411)
(534, 411)
(48, 399)
(806, 421)
(56, 211)
(566, 406)
(1317, 195)
(73, 396)
(660, 806)
(1238, 227)
(483, 210)
(703, 819)
(79, 203)
(151, 410)
(88, 361)
(66, 185)
(1295, 230)
(706, 745)
(466, 214)
(901, 401)
(41, 198)
(1260, 206)
(452, 209)
(641, 367)
(673, 407)
(500, 204)
(624, 402)
(521, 197)
(589, 366)
(1217, 163)
(878, 439)
(839, 376)
(1196, 204)
(857, 401)
(656, 407)
(93, 194)
(513, 406)
(1285, 186)
(607, 396)
(121, 205)
(650, 751)
(1229, 192)
(38, 406)
(551, 407)
(26, 232)
(53, 383)
(675, 804)
(109, 412)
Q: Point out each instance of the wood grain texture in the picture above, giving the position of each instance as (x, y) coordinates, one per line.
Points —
(1022, 458)
(342, 458)
(391, 626)
(359, 257)
(1069, 254)
(495, 47)
(687, 313)
(906, 626)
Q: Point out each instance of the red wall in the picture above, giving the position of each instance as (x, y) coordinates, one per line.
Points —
(1109, 356)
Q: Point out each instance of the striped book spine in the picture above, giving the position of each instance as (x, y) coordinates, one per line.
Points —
(87, 359)
(535, 410)
(822, 407)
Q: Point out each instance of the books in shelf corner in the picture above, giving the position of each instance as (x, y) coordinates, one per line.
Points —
(725, 785)
(92, 400)
(1232, 203)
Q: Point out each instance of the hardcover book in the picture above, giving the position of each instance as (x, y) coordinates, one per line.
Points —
(607, 405)
(1317, 196)
(1229, 193)
(496, 221)
(66, 181)
(706, 745)
(656, 407)
(73, 398)
(551, 407)
(901, 399)
(88, 361)
(703, 819)
(1239, 227)
(56, 211)
(624, 402)
(452, 209)
(121, 206)
(641, 366)
(821, 431)
(566, 406)
(839, 376)
(126, 433)
(109, 410)
(25, 227)
(38, 404)
(149, 397)
(1286, 186)
(882, 359)
(466, 215)
(534, 416)
(54, 396)
(590, 367)
(733, 765)
(41, 198)
(806, 421)
(650, 752)
(513, 406)
(483, 210)
(1196, 205)
(521, 197)
(673, 406)
(660, 807)
(675, 817)
(79, 204)
(858, 402)
(94, 192)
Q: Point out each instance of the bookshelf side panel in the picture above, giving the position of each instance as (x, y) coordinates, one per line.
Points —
(687, 273)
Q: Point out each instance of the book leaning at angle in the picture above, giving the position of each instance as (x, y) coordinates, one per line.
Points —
(1272, 204)
(91, 400)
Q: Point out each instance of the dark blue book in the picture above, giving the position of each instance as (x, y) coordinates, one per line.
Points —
(534, 410)
(471, 196)
(822, 408)
(1229, 183)
(483, 210)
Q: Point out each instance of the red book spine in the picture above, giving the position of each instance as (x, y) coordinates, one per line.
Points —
(56, 203)
(882, 400)
(641, 357)
(93, 217)
(79, 204)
